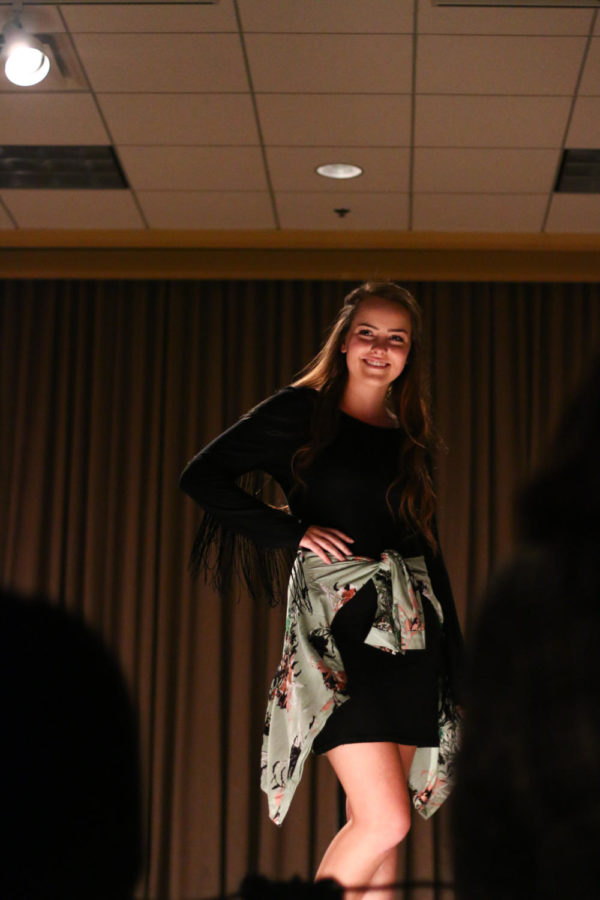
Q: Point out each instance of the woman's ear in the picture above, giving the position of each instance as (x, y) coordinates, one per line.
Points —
(343, 347)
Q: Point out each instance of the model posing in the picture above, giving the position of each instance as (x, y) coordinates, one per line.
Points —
(372, 646)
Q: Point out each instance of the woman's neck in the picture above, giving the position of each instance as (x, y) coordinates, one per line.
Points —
(367, 404)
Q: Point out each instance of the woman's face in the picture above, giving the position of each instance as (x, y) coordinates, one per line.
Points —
(378, 341)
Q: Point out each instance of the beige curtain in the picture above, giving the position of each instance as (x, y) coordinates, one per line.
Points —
(107, 388)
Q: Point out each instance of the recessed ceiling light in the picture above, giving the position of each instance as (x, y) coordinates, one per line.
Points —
(339, 170)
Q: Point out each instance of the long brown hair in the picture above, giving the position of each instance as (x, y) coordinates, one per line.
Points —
(407, 401)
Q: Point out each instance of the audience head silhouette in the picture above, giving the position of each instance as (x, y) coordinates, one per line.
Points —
(527, 802)
(69, 760)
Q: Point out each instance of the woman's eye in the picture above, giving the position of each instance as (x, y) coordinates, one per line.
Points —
(397, 339)
(365, 332)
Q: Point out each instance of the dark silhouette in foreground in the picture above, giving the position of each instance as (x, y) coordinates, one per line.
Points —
(526, 811)
(68, 760)
(257, 887)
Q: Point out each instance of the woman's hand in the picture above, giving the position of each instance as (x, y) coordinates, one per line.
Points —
(326, 540)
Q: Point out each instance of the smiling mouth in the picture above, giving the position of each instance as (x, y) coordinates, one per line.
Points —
(376, 363)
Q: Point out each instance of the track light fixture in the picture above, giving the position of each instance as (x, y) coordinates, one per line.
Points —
(27, 62)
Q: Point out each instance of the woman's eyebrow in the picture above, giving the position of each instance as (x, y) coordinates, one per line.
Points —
(377, 329)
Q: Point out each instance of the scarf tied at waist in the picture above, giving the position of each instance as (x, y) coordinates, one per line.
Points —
(310, 681)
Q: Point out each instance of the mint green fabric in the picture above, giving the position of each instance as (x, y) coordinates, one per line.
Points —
(310, 680)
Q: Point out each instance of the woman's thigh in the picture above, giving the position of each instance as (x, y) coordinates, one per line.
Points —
(374, 777)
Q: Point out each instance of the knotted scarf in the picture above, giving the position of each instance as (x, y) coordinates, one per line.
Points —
(310, 680)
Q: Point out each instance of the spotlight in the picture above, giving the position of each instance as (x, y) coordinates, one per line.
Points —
(27, 62)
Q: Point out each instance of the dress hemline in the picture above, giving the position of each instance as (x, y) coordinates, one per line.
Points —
(365, 739)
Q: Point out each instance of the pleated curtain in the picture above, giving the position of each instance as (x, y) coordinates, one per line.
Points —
(107, 388)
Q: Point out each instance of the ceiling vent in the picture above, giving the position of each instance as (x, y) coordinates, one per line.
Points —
(81, 168)
(579, 172)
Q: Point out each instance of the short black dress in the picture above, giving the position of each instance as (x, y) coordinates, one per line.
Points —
(391, 697)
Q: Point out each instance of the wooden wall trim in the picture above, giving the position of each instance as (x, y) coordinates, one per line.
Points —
(538, 258)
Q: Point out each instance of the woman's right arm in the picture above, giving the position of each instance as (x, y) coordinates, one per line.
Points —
(262, 440)
(265, 439)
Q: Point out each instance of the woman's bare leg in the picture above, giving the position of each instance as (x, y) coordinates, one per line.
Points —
(387, 871)
(374, 777)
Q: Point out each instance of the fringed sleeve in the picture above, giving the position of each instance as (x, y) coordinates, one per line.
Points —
(223, 557)
(241, 537)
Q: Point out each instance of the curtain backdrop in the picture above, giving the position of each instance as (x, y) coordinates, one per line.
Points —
(108, 388)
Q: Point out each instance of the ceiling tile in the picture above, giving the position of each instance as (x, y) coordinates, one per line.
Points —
(335, 16)
(293, 169)
(199, 209)
(137, 19)
(73, 209)
(485, 171)
(501, 20)
(333, 82)
(498, 65)
(39, 19)
(385, 212)
(194, 168)
(574, 213)
(109, 3)
(106, 3)
(479, 212)
(5, 220)
(491, 121)
(590, 81)
(335, 120)
(328, 63)
(70, 118)
(584, 130)
(163, 62)
(180, 118)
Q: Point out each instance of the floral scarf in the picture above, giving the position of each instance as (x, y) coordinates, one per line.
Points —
(310, 680)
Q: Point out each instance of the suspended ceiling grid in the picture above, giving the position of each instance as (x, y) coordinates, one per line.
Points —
(220, 113)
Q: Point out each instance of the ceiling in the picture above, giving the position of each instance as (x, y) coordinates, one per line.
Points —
(219, 115)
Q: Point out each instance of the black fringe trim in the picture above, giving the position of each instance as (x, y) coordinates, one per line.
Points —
(226, 559)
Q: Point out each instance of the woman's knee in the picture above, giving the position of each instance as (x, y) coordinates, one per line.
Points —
(397, 827)
(380, 805)
(386, 827)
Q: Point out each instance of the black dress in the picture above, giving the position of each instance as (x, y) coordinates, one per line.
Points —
(392, 697)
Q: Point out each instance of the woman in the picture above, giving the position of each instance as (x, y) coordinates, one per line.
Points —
(349, 444)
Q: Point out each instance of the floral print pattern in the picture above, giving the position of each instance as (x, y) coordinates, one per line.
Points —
(310, 680)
